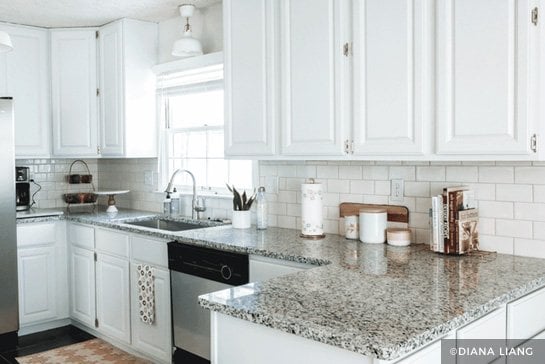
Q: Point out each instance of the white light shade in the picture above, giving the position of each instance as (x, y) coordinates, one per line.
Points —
(187, 46)
(5, 42)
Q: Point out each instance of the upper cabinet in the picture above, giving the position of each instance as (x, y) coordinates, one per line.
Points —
(313, 87)
(486, 77)
(24, 75)
(127, 53)
(369, 79)
(104, 90)
(250, 77)
(391, 58)
(74, 92)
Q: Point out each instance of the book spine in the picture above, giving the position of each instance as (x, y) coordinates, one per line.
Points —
(445, 223)
(435, 224)
(440, 224)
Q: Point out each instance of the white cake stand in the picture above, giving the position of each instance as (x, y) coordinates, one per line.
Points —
(111, 198)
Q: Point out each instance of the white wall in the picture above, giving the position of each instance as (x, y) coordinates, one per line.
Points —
(206, 24)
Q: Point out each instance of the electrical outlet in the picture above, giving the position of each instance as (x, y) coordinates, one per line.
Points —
(148, 178)
(397, 189)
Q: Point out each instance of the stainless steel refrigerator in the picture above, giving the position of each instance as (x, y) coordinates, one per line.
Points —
(9, 312)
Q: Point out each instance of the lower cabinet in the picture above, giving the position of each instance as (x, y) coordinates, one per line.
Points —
(112, 297)
(82, 286)
(154, 339)
(42, 273)
(263, 268)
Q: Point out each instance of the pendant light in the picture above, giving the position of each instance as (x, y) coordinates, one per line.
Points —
(5, 42)
(187, 46)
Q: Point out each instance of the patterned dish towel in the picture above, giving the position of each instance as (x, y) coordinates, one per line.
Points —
(146, 293)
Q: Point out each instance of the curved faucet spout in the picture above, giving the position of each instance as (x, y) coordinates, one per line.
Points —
(170, 183)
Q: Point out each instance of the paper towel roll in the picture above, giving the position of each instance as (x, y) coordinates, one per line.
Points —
(311, 204)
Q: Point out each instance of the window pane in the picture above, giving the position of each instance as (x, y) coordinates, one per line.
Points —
(217, 173)
(196, 109)
(215, 144)
(198, 168)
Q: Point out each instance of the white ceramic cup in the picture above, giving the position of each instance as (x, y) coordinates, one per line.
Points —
(373, 224)
(242, 219)
(351, 228)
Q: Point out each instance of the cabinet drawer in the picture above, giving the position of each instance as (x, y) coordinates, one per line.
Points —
(149, 251)
(525, 316)
(36, 234)
(112, 242)
(263, 268)
(82, 236)
(491, 326)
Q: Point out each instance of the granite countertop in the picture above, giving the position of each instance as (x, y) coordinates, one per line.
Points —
(376, 300)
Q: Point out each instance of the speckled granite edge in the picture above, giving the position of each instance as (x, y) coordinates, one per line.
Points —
(361, 345)
(28, 220)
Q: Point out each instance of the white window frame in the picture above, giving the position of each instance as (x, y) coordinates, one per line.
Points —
(162, 110)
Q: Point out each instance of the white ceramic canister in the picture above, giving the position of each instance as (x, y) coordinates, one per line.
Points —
(351, 229)
(242, 219)
(373, 224)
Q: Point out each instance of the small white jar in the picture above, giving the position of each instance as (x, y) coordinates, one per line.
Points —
(373, 224)
(351, 227)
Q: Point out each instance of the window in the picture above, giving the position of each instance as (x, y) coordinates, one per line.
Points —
(192, 109)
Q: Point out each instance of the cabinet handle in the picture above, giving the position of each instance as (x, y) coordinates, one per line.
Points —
(535, 15)
(533, 143)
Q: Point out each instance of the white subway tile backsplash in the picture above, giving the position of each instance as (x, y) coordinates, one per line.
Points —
(407, 173)
(338, 185)
(496, 174)
(349, 197)
(382, 188)
(417, 189)
(530, 211)
(539, 193)
(376, 172)
(496, 209)
(529, 248)
(514, 228)
(533, 175)
(514, 192)
(500, 244)
(487, 226)
(305, 171)
(539, 230)
(432, 173)
(350, 172)
(327, 171)
(462, 173)
(362, 187)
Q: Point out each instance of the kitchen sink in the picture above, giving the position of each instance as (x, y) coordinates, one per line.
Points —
(165, 224)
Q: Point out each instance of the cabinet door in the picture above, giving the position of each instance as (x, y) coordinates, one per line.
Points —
(485, 77)
(37, 288)
(82, 286)
(392, 69)
(27, 80)
(314, 104)
(250, 77)
(154, 339)
(112, 294)
(74, 89)
(111, 92)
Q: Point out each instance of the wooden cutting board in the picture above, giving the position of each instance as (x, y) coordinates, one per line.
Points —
(395, 213)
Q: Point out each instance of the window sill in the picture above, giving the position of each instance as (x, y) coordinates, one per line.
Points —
(205, 193)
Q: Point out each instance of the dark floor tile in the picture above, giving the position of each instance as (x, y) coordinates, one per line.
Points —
(43, 341)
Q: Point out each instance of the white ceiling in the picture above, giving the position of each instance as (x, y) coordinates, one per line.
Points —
(75, 13)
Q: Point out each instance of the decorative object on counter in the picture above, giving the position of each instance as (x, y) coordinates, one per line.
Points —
(242, 217)
(311, 205)
(80, 198)
(351, 227)
(112, 209)
(373, 224)
(455, 221)
(398, 236)
(187, 46)
(261, 201)
(398, 216)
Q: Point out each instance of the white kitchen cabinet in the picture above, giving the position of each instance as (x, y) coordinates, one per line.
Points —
(525, 316)
(263, 268)
(153, 339)
(82, 286)
(250, 81)
(486, 77)
(42, 273)
(24, 75)
(127, 52)
(112, 297)
(392, 57)
(314, 85)
(74, 92)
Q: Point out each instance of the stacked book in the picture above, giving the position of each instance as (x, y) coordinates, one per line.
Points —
(454, 221)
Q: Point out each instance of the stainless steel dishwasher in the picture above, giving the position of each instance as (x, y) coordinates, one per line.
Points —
(195, 271)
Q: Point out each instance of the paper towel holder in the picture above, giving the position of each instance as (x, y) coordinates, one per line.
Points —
(311, 237)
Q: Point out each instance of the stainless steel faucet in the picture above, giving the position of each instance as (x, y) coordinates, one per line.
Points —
(194, 200)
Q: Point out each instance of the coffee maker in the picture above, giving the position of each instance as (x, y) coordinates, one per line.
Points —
(22, 188)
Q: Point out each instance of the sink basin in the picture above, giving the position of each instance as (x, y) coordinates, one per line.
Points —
(164, 224)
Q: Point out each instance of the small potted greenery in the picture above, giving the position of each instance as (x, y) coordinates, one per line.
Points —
(241, 209)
